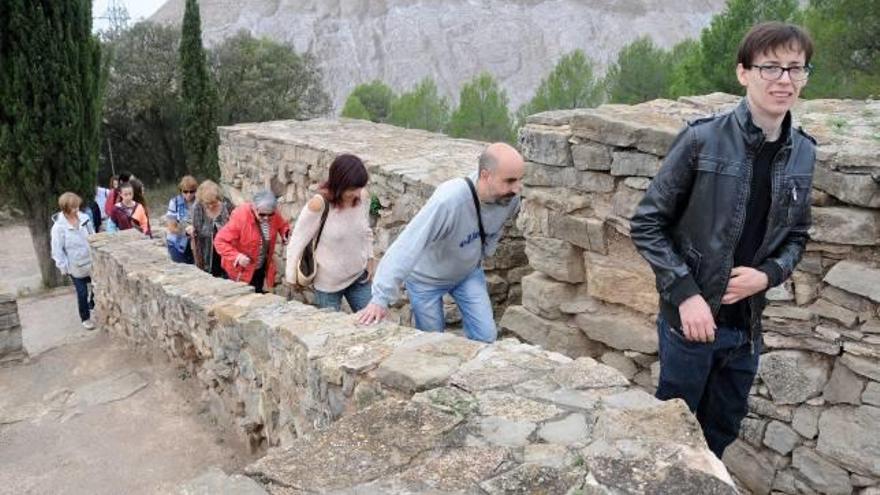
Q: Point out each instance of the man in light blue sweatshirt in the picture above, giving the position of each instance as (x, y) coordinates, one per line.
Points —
(441, 249)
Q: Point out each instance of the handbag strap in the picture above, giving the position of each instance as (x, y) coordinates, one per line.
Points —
(473, 189)
(323, 220)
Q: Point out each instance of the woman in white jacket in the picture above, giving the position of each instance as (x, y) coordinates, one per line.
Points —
(70, 250)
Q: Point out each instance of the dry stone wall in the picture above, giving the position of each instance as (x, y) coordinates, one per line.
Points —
(389, 409)
(814, 410)
(405, 166)
(11, 348)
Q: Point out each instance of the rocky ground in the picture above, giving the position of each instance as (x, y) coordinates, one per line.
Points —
(86, 414)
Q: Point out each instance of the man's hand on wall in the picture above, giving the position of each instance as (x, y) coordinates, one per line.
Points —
(373, 313)
(744, 282)
(697, 322)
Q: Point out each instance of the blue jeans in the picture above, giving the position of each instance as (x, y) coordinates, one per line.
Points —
(358, 295)
(713, 378)
(85, 301)
(472, 298)
(178, 257)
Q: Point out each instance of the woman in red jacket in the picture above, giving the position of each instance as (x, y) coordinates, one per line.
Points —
(247, 241)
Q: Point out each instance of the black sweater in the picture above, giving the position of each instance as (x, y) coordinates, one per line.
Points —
(755, 227)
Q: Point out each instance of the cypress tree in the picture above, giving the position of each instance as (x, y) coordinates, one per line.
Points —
(50, 106)
(199, 98)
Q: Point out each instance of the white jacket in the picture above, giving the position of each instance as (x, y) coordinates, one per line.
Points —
(70, 245)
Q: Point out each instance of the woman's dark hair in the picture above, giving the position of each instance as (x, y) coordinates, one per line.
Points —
(137, 187)
(346, 172)
(124, 176)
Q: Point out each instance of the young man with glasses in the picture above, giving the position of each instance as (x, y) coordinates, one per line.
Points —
(726, 218)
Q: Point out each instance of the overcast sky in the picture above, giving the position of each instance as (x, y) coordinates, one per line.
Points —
(137, 10)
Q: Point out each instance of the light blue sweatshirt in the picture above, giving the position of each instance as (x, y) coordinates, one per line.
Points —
(70, 245)
(441, 244)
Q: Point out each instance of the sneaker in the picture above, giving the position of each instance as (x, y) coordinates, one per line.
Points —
(88, 325)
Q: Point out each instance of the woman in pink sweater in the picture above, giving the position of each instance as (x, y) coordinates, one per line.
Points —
(344, 256)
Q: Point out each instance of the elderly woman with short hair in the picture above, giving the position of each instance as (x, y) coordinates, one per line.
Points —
(70, 251)
(247, 242)
(209, 215)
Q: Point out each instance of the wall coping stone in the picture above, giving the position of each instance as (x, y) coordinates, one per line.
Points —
(318, 386)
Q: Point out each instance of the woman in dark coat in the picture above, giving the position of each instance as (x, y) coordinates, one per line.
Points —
(210, 213)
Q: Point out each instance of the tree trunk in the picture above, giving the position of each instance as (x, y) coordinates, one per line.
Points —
(40, 226)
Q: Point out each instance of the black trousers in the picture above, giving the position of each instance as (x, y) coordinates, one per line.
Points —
(259, 279)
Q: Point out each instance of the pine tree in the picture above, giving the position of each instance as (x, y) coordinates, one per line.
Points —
(50, 107)
(355, 109)
(421, 108)
(685, 75)
(571, 84)
(720, 41)
(376, 98)
(199, 102)
(482, 112)
(641, 73)
(847, 56)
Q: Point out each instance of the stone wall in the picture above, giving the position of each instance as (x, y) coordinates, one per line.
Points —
(405, 166)
(389, 409)
(11, 349)
(815, 408)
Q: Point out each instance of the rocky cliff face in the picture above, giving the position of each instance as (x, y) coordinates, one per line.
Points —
(402, 41)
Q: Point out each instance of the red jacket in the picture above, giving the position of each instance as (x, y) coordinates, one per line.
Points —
(112, 199)
(241, 234)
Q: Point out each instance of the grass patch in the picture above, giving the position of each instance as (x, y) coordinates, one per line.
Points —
(838, 124)
(157, 198)
(375, 205)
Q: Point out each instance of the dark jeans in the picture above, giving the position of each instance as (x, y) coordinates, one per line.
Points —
(713, 378)
(259, 279)
(184, 257)
(215, 269)
(85, 301)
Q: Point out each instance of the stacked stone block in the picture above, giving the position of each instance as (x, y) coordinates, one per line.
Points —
(389, 409)
(405, 166)
(11, 349)
(814, 415)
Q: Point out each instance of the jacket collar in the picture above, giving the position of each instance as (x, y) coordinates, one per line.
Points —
(59, 218)
(752, 133)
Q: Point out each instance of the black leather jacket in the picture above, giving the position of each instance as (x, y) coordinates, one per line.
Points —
(689, 223)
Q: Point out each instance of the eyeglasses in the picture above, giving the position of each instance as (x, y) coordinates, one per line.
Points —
(189, 191)
(796, 73)
(265, 215)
